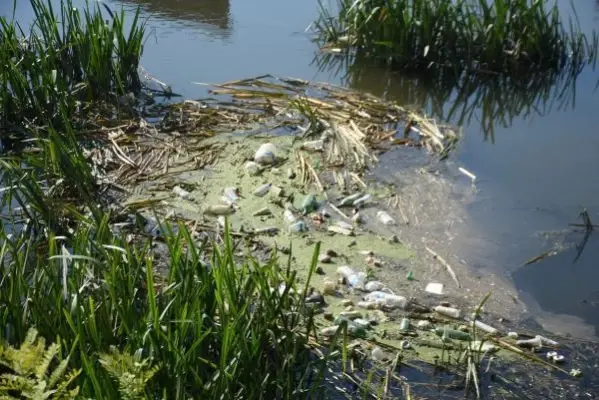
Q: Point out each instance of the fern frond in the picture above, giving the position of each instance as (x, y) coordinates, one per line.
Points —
(42, 368)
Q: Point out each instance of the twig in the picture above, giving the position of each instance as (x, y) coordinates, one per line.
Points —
(446, 265)
(339, 211)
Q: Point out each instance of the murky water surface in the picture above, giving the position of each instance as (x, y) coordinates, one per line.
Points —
(535, 151)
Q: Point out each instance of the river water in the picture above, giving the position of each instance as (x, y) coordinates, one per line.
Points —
(535, 152)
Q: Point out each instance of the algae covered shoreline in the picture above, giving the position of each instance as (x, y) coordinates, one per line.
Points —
(239, 245)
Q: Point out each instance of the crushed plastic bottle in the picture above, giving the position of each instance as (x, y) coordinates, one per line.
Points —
(353, 278)
(373, 286)
(262, 190)
(182, 193)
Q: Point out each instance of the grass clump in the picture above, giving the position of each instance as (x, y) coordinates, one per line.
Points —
(66, 59)
(499, 37)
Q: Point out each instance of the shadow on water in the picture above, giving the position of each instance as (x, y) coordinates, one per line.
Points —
(466, 99)
(215, 13)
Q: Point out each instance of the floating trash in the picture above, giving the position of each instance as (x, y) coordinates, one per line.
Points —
(219, 209)
(434, 288)
(182, 193)
(262, 190)
(262, 212)
(252, 168)
(353, 278)
(362, 200)
(313, 145)
(448, 311)
(266, 154)
(349, 200)
(385, 218)
(373, 286)
(340, 230)
(387, 300)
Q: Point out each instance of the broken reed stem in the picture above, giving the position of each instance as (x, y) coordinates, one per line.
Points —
(446, 265)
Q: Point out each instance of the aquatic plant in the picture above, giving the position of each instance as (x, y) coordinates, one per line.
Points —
(66, 59)
(499, 37)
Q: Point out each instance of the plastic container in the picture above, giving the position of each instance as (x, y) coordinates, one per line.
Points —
(231, 193)
(387, 300)
(547, 341)
(448, 311)
(368, 305)
(353, 278)
(373, 286)
(309, 204)
(404, 325)
(424, 324)
(266, 154)
(219, 209)
(182, 193)
(262, 190)
(385, 218)
(486, 328)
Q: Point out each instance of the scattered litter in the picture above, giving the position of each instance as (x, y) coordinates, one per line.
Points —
(362, 200)
(410, 276)
(378, 354)
(182, 193)
(252, 168)
(405, 345)
(353, 278)
(448, 311)
(349, 200)
(266, 154)
(449, 333)
(486, 328)
(340, 230)
(404, 325)
(512, 335)
(468, 174)
(298, 227)
(277, 191)
(231, 195)
(483, 346)
(434, 288)
(387, 300)
(373, 286)
(344, 225)
(424, 325)
(289, 217)
(269, 230)
(262, 190)
(385, 218)
(219, 209)
(530, 343)
(329, 287)
(314, 145)
(547, 341)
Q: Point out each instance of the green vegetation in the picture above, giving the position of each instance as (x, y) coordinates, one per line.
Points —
(65, 60)
(481, 36)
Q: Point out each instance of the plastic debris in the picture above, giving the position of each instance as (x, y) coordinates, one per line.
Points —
(512, 335)
(349, 200)
(434, 288)
(373, 286)
(309, 204)
(449, 333)
(313, 145)
(385, 218)
(266, 154)
(329, 287)
(362, 200)
(262, 190)
(378, 354)
(448, 311)
(252, 168)
(424, 324)
(289, 216)
(387, 300)
(182, 193)
(486, 328)
(219, 209)
(298, 227)
(340, 230)
(530, 343)
(353, 278)
(404, 325)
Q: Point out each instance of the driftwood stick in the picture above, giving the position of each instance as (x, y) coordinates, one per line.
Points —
(446, 265)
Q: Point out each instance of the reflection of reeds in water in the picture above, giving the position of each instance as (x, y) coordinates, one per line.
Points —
(216, 13)
(495, 100)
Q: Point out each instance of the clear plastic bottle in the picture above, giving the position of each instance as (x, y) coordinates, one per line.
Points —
(353, 278)
(448, 311)
(387, 299)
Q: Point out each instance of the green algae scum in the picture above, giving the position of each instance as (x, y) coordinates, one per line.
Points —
(236, 246)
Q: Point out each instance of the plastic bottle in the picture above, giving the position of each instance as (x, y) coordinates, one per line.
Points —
(362, 200)
(448, 311)
(404, 325)
(314, 145)
(486, 328)
(262, 190)
(182, 193)
(530, 343)
(387, 299)
(353, 278)
(289, 216)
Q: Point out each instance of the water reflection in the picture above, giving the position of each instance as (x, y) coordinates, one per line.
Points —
(214, 14)
(487, 100)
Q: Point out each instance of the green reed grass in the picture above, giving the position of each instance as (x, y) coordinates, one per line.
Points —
(68, 57)
(498, 37)
(210, 327)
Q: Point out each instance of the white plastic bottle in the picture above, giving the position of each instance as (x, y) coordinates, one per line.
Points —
(387, 299)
